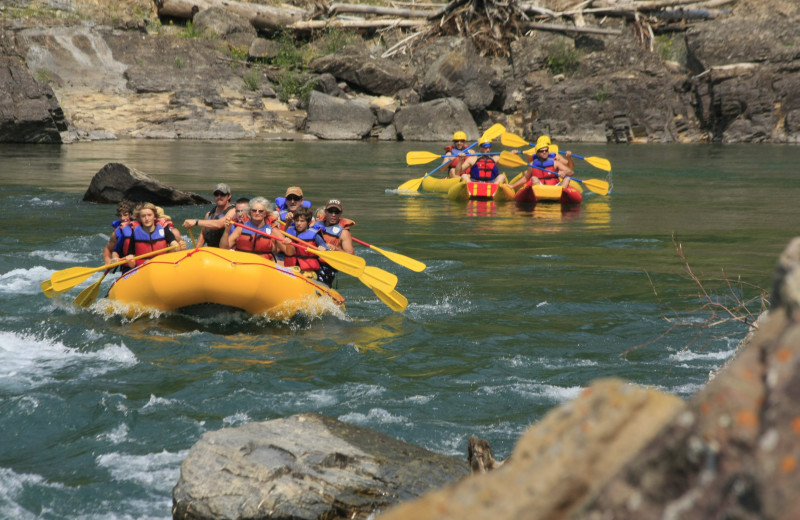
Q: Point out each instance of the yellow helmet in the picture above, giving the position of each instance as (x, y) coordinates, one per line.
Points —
(542, 142)
(459, 136)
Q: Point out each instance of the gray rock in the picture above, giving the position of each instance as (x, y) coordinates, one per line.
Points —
(367, 73)
(334, 118)
(304, 467)
(115, 182)
(435, 121)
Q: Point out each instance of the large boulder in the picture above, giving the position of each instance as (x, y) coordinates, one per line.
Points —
(306, 466)
(435, 121)
(462, 74)
(334, 118)
(373, 75)
(115, 182)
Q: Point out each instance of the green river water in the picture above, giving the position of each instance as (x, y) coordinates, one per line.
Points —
(519, 308)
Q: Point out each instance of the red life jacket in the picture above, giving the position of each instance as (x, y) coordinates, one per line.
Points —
(303, 258)
(252, 242)
(484, 169)
(549, 165)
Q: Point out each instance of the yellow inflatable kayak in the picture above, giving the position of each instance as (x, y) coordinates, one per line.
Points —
(210, 275)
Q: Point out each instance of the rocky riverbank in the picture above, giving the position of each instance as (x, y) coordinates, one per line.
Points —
(89, 70)
(618, 451)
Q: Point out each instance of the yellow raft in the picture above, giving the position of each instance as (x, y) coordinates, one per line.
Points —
(246, 281)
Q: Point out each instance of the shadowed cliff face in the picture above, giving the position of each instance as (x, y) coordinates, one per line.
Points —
(128, 76)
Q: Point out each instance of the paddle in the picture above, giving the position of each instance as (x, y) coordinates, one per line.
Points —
(89, 295)
(595, 185)
(409, 263)
(339, 260)
(491, 134)
(426, 157)
(515, 141)
(66, 279)
(191, 235)
(381, 282)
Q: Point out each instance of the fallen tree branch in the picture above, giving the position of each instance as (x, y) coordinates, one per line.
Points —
(570, 28)
(374, 9)
(311, 25)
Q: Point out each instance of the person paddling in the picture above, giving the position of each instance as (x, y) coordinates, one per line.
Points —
(121, 234)
(457, 164)
(147, 236)
(290, 203)
(297, 254)
(547, 168)
(243, 239)
(482, 168)
(213, 223)
(336, 233)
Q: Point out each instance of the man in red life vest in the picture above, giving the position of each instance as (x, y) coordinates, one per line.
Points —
(547, 167)
(482, 168)
(459, 148)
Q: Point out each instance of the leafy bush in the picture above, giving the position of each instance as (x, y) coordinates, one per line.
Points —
(252, 79)
(562, 58)
(294, 85)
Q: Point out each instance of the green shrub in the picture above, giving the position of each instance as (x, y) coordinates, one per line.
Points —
(43, 76)
(335, 39)
(179, 63)
(562, 58)
(602, 94)
(293, 85)
(252, 79)
(190, 32)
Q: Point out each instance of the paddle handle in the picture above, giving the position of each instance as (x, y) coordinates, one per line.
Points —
(562, 152)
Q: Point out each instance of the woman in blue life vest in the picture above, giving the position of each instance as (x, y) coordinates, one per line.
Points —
(483, 168)
(250, 241)
(147, 235)
(559, 168)
(297, 254)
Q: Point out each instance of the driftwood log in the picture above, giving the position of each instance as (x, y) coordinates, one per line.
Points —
(265, 17)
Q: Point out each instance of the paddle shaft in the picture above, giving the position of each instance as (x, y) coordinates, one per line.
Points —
(594, 185)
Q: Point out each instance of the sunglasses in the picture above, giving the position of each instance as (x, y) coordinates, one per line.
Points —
(460, 141)
(333, 211)
(219, 194)
(258, 211)
(293, 198)
(545, 150)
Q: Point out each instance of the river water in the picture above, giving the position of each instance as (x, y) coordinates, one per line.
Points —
(520, 308)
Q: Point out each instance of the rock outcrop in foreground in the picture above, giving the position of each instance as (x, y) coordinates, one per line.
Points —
(616, 452)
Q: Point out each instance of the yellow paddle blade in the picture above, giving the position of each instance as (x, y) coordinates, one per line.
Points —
(89, 295)
(407, 262)
(513, 140)
(341, 261)
(511, 160)
(492, 133)
(412, 185)
(393, 299)
(597, 186)
(47, 288)
(66, 279)
(599, 162)
(375, 277)
(421, 157)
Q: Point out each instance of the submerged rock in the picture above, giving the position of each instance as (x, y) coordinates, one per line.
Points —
(304, 467)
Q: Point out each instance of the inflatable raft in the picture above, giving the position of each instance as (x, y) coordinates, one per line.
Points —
(573, 194)
(245, 281)
(480, 191)
(435, 185)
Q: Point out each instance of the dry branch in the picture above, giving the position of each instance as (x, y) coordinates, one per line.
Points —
(312, 25)
(260, 16)
(571, 29)
(374, 9)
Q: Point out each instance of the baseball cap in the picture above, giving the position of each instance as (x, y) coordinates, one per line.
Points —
(222, 187)
(294, 190)
(334, 203)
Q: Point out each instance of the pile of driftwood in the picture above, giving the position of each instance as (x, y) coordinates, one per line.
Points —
(491, 24)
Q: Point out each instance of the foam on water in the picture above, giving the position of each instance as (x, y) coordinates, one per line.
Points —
(69, 257)
(689, 355)
(24, 281)
(236, 419)
(30, 360)
(374, 416)
(44, 203)
(154, 471)
(158, 403)
(12, 486)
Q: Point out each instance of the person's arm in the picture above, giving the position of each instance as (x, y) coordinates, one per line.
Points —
(171, 240)
(525, 178)
(346, 242)
(566, 160)
(280, 241)
(108, 250)
(234, 236)
(321, 244)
